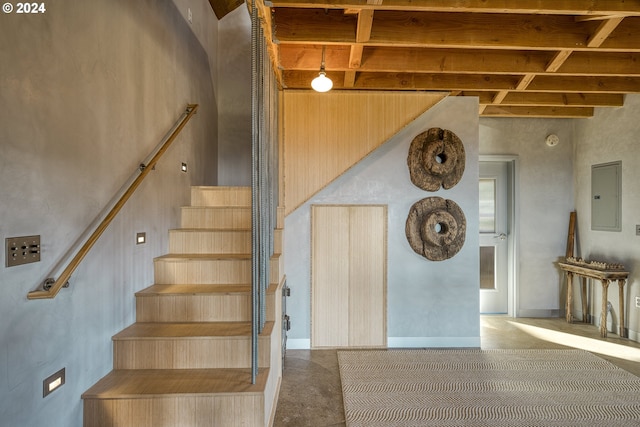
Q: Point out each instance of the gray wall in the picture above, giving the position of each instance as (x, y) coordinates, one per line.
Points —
(88, 89)
(429, 303)
(544, 198)
(611, 135)
(234, 69)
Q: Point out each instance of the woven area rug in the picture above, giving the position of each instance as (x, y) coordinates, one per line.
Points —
(486, 388)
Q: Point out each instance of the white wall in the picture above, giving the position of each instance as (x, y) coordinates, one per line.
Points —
(88, 89)
(544, 199)
(612, 135)
(429, 303)
(234, 74)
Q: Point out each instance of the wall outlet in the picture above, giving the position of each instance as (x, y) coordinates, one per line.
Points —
(189, 16)
(637, 302)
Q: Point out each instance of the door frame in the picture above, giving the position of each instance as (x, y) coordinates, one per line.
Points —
(513, 213)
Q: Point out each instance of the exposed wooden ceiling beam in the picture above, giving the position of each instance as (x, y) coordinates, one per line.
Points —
(551, 7)
(460, 61)
(530, 58)
(548, 112)
(476, 82)
(450, 30)
(551, 99)
(548, 83)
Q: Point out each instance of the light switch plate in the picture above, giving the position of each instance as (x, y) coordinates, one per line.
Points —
(22, 250)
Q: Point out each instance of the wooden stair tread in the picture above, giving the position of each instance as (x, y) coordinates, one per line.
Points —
(207, 257)
(202, 289)
(153, 330)
(220, 207)
(145, 383)
(210, 230)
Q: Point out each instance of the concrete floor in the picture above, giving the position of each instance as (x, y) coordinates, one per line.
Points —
(310, 394)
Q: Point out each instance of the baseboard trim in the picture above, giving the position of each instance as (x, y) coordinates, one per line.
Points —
(538, 313)
(430, 342)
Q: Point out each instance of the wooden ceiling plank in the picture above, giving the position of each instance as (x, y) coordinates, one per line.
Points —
(558, 59)
(548, 112)
(603, 31)
(552, 7)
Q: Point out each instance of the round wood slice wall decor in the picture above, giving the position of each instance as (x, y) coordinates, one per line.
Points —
(436, 158)
(436, 228)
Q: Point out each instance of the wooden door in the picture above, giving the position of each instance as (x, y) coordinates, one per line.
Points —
(349, 270)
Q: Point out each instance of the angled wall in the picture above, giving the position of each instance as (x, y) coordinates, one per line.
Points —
(327, 133)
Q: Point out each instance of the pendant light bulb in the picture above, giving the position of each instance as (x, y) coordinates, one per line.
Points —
(322, 83)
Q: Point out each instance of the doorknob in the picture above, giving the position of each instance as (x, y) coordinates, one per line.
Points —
(502, 236)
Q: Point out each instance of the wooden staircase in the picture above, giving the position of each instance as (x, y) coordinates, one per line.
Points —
(186, 361)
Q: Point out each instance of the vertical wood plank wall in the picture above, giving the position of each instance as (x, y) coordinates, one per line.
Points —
(327, 133)
(349, 276)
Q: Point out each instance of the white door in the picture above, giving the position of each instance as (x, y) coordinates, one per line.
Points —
(494, 238)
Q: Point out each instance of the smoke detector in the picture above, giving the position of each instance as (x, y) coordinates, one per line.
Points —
(552, 140)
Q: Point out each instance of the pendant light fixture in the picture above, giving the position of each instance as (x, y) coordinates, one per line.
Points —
(322, 83)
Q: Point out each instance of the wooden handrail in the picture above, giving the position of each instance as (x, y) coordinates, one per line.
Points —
(144, 171)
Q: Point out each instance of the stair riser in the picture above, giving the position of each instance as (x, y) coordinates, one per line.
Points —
(216, 242)
(196, 272)
(188, 353)
(209, 242)
(211, 217)
(198, 308)
(240, 410)
(220, 196)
